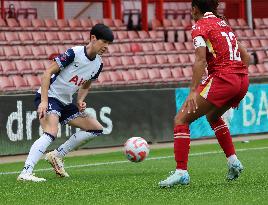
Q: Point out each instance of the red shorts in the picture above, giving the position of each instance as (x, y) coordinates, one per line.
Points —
(224, 89)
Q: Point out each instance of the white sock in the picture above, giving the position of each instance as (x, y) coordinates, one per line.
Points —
(181, 170)
(232, 158)
(36, 152)
(76, 140)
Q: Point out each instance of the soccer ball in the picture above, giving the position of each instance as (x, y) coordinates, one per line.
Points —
(136, 149)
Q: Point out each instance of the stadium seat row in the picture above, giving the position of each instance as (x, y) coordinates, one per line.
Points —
(57, 24)
(59, 37)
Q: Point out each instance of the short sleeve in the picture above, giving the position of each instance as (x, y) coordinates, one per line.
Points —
(65, 59)
(199, 30)
(98, 73)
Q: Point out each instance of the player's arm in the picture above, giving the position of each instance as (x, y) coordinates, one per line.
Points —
(199, 67)
(45, 82)
(81, 95)
(200, 63)
(245, 57)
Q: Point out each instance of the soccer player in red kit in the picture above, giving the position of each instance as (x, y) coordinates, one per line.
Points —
(216, 48)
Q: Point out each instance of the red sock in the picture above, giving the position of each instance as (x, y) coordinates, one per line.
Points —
(181, 145)
(223, 135)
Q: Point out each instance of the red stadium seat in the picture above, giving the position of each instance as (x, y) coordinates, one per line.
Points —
(32, 80)
(125, 48)
(181, 36)
(113, 49)
(177, 73)
(8, 67)
(171, 36)
(188, 35)
(52, 37)
(159, 47)
(156, 25)
(86, 36)
(147, 48)
(25, 52)
(116, 77)
(86, 23)
(143, 35)
(39, 37)
(119, 24)
(39, 52)
(166, 74)
(142, 76)
(6, 84)
(154, 75)
(51, 51)
(127, 61)
(23, 66)
(2, 53)
(179, 46)
(169, 47)
(174, 59)
(122, 36)
(12, 37)
(25, 24)
(13, 24)
(151, 60)
(252, 70)
(162, 60)
(75, 24)
(108, 22)
(39, 24)
(11, 52)
(3, 25)
(261, 55)
(62, 24)
(157, 35)
(115, 62)
(255, 43)
(129, 76)
(37, 66)
(259, 33)
(139, 61)
(135, 47)
(187, 72)
(104, 78)
(189, 45)
(264, 42)
(3, 38)
(19, 82)
(184, 58)
(65, 37)
(76, 37)
(26, 38)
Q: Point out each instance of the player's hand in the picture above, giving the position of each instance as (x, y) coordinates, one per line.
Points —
(81, 106)
(190, 104)
(42, 109)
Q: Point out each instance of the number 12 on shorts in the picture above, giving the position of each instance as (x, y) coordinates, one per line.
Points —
(234, 53)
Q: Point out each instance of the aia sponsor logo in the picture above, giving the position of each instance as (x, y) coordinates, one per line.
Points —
(77, 81)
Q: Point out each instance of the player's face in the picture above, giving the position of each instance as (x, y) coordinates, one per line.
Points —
(101, 46)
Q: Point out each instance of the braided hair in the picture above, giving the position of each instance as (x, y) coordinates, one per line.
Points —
(207, 6)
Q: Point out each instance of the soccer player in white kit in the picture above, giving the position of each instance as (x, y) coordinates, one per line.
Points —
(70, 72)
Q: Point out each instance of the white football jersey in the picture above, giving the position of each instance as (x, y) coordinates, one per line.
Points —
(76, 68)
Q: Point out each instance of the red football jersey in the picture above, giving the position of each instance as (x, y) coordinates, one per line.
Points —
(223, 55)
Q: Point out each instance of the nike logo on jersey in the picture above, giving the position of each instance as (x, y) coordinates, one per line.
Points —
(77, 81)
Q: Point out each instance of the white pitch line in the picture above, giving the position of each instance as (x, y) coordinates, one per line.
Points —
(125, 161)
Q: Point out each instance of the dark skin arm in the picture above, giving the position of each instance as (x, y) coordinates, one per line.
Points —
(199, 67)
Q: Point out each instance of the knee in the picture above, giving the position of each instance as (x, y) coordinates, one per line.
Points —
(211, 119)
(52, 130)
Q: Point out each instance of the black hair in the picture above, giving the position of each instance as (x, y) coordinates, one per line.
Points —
(102, 31)
(207, 6)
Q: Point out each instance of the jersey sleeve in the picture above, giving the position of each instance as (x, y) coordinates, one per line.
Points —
(65, 59)
(98, 73)
(199, 30)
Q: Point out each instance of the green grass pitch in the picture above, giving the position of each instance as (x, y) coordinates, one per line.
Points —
(110, 179)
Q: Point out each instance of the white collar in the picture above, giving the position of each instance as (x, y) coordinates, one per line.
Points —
(209, 15)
